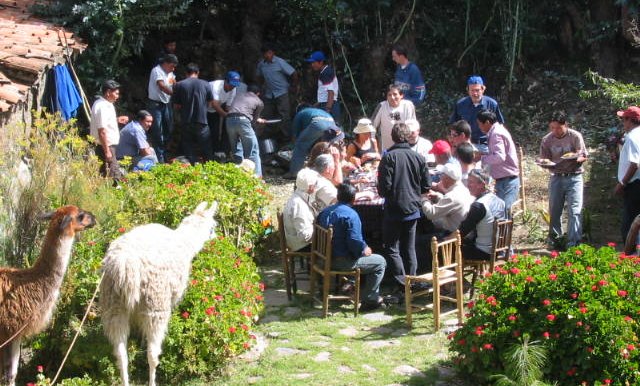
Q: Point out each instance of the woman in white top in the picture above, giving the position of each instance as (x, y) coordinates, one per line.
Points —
(394, 110)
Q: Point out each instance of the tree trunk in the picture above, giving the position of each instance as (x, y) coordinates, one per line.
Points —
(604, 50)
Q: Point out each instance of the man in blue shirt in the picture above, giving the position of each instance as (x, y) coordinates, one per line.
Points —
(408, 76)
(133, 140)
(273, 74)
(350, 251)
(467, 108)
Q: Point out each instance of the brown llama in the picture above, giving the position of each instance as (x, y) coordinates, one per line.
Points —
(28, 296)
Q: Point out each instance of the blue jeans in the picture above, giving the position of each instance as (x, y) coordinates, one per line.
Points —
(566, 189)
(160, 132)
(239, 129)
(305, 141)
(508, 190)
(399, 238)
(371, 267)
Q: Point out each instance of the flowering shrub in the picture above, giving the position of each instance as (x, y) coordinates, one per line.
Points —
(584, 305)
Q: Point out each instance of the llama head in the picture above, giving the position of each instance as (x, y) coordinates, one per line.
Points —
(69, 220)
(202, 218)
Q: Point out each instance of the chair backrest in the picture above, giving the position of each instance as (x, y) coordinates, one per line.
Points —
(321, 246)
(520, 205)
(446, 254)
(282, 234)
(502, 231)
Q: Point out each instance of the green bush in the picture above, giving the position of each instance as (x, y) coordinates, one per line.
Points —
(583, 304)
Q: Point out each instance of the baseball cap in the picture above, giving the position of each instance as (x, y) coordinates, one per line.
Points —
(475, 79)
(233, 78)
(440, 147)
(632, 112)
(333, 135)
(316, 56)
(452, 170)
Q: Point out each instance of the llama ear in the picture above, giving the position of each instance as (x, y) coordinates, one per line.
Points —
(201, 207)
(46, 215)
(213, 208)
(65, 222)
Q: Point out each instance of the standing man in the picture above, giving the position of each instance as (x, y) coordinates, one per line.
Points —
(402, 179)
(160, 88)
(223, 91)
(327, 84)
(350, 251)
(628, 174)
(274, 74)
(133, 141)
(467, 108)
(501, 158)
(245, 110)
(104, 128)
(192, 96)
(565, 148)
(408, 76)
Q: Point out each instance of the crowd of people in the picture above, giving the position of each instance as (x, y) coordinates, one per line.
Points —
(465, 181)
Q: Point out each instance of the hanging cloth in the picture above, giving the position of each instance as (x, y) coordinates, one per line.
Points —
(68, 97)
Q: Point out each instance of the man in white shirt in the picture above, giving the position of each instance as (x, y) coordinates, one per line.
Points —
(298, 213)
(447, 210)
(327, 84)
(160, 89)
(628, 172)
(419, 144)
(104, 128)
(224, 91)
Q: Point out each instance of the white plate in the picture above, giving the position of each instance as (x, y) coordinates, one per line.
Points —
(549, 164)
(574, 156)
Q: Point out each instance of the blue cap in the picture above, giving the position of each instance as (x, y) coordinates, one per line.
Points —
(475, 79)
(233, 78)
(317, 56)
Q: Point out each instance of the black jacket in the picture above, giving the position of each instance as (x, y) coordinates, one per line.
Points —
(402, 177)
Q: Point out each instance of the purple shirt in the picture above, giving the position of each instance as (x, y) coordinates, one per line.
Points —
(503, 157)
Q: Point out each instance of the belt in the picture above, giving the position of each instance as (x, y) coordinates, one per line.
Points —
(154, 101)
(328, 119)
(566, 174)
(238, 115)
(506, 178)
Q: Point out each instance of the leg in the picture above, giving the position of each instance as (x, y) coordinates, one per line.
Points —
(155, 133)
(116, 328)
(156, 328)
(372, 267)
(250, 146)
(631, 207)
(574, 201)
(556, 203)
(203, 137)
(234, 133)
(284, 110)
(10, 361)
(508, 190)
(391, 240)
(408, 246)
(304, 142)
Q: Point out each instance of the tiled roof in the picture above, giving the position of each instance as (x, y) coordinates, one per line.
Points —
(28, 46)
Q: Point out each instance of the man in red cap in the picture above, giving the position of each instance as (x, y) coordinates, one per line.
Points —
(628, 174)
(442, 152)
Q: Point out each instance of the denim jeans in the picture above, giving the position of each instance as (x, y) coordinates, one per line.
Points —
(305, 141)
(399, 238)
(239, 129)
(508, 190)
(566, 189)
(196, 136)
(160, 132)
(371, 267)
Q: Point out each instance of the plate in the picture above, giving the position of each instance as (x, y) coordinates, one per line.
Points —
(273, 121)
(570, 156)
(548, 164)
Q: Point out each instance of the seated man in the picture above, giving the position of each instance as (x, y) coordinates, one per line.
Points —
(326, 192)
(420, 144)
(447, 210)
(298, 214)
(464, 153)
(441, 150)
(133, 142)
(350, 251)
(477, 228)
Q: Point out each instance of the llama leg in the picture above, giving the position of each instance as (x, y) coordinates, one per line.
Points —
(10, 361)
(120, 350)
(116, 327)
(156, 329)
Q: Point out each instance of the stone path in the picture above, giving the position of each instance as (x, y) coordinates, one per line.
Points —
(381, 333)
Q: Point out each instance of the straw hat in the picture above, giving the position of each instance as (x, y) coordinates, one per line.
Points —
(364, 126)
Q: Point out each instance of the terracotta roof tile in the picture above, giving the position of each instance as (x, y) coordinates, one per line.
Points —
(28, 46)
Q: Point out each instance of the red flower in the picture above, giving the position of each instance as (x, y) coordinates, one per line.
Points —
(554, 254)
(572, 371)
(583, 310)
(91, 243)
(251, 336)
(39, 368)
(574, 295)
(590, 349)
(244, 327)
(611, 244)
(232, 329)
(602, 283)
(185, 315)
(194, 282)
(627, 318)
(589, 268)
(579, 324)
(474, 349)
(568, 264)
(529, 279)
(545, 335)
(491, 300)
(237, 295)
(470, 304)
(537, 261)
(622, 293)
(516, 333)
(210, 310)
(218, 297)
(488, 274)
(512, 317)
(259, 298)
(514, 270)
(121, 229)
(246, 345)
(551, 317)
(462, 342)
(631, 347)
(578, 252)
(525, 253)
(546, 302)
(261, 286)
(553, 276)
(607, 381)
(594, 288)
(487, 346)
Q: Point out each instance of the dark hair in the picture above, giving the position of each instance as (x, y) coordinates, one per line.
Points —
(192, 68)
(559, 116)
(400, 133)
(461, 127)
(392, 87)
(169, 58)
(400, 50)
(464, 152)
(254, 88)
(168, 40)
(109, 85)
(268, 47)
(346, 193)
(142, 114)
(487, 115)
(321, 147)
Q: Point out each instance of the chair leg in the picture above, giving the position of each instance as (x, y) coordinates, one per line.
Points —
(459, 294)
(356, 301)
(287, 275)
(407, 300)
(326, 284)
(436, 304)
(292, 274)
(312, 282)
(474, 277)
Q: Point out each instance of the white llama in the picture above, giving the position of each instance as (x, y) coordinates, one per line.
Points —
(28, 296)
(146, 272)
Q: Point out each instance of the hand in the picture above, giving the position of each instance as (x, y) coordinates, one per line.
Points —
(367, 251)
(581, 159)
(356, 161)
(123, 119)
(261, 120)
(335, 153)
(108, 155)
(619, 189)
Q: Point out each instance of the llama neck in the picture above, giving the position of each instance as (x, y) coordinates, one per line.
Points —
(194, 236)
(55, 254)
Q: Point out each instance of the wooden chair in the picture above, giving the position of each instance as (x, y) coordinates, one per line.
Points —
(519, 206)
(500, 247)
(321, 254)
(446, 268)
(289, 262)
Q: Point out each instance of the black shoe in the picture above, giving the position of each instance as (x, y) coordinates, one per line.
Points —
(370, 306)
(394, 299)
(420, 286)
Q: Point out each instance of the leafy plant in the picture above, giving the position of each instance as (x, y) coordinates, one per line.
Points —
(619, 94)
(524, 363)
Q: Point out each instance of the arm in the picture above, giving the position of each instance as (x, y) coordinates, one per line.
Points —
(442, 208)
(330, 100)
(545, 151)
(581, 149)
(102, 134)
(218, 107)
(164, 87)
(633, 167)
(351, 155)
(385, 178)
(303, 223)
(337, 177)
(355, 242)
(477, 211)
(497, 153)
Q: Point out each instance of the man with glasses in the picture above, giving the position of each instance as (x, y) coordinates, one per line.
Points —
(459, 132)
(467, 108)
(628, 173)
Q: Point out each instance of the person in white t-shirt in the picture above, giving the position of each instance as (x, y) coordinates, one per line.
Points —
(394, 110)
(224, 91)
(628, 172)
(160, 89)
(104, 128)
(419, 144)
(328, 88)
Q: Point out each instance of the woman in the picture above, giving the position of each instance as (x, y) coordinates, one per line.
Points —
(394, 110)
(364, 149)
